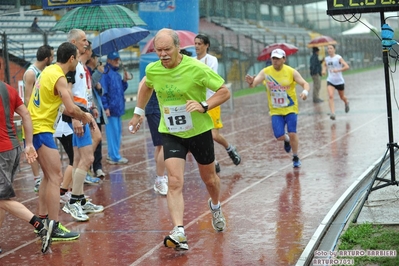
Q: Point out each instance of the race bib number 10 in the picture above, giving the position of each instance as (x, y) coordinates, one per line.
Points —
(279, 98)
(177, 119)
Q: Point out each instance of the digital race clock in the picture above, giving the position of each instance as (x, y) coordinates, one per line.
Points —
(340, 7)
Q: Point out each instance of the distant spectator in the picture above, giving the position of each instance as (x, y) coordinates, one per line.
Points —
(113, 99)
(315, 72)
(35, 27)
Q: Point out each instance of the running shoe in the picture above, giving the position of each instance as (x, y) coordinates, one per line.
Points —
(218, 220)
(287, 146)
(332, 116)
(91, 180)
(44, 221)
(66, 197)
(217, 167)
(60, 233)
(37, 184)
(296, 162)
(90, 207)
(121, 161)
(45, 234)
(235, 157)
(176, 240)
(100, 173)
(161, 186)
(75, 210)
(346, 107)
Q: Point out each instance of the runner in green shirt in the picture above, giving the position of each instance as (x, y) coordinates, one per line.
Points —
(180, 83)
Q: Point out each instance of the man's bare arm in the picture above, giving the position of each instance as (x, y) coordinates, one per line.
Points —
(71, 109)
(29, 81)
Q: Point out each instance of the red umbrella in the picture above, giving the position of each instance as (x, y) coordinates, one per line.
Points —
(186, 40)
(321, 41)
(289, 49)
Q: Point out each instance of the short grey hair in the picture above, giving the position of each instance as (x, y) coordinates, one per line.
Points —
(171, 33)
(74, 34)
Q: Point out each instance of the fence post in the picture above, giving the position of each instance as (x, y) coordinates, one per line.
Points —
(6, 59)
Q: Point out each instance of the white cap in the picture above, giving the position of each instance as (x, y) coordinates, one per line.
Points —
(279, 53)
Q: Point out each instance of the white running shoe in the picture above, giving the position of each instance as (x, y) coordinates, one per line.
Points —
(90, 207)
(66, 197)
(218, 220)
(176, 240)
(100, 173)
(161, 186)
(75, 210)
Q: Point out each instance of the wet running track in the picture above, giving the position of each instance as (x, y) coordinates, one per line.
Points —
(272, 210)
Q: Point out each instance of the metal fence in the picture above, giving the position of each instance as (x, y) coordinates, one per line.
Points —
(238, 56)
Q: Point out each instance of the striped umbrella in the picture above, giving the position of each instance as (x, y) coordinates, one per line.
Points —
(98, 18)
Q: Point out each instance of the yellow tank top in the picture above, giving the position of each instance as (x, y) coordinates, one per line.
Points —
(280, 90)
(43, 104)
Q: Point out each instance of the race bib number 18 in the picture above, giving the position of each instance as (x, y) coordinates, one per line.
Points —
(177, 119)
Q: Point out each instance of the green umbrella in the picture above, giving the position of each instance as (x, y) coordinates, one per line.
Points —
(98, 18)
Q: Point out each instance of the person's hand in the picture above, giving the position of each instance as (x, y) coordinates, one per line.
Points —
(98, 86)
(249, 79)
(134, 123)
(30, 153)
(304, 94)
(95, 113)
(192, 106)
(88, 119)
(127, 75)
(77, 127)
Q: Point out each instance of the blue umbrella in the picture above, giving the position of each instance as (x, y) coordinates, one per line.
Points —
(117, 38)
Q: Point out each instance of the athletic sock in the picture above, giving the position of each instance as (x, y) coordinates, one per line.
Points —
(63, 191)
(36, 222)
(180, 228)
(215, 207)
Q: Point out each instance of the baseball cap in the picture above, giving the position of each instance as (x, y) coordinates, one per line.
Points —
(278, 53)
(113, 55)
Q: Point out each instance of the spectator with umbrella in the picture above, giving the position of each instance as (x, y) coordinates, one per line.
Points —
(315, 72)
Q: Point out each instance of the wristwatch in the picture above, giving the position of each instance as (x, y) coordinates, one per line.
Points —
(205, 106)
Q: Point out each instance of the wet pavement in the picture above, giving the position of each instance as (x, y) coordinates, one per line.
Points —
(272, 210)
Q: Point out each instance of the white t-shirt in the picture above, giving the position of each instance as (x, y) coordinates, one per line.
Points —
(81, 89)
(213, 63)
(335, 78)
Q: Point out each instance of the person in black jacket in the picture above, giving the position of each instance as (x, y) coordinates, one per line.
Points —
(315, 72)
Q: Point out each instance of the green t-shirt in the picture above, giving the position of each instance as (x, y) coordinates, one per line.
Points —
(187, 81)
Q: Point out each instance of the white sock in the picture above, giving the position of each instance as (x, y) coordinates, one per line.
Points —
(159, 178)
(215, 207)
(229, 148)
(36, 177)
(286, 138)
